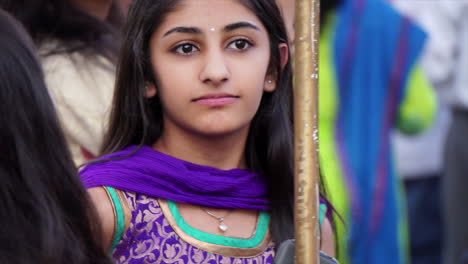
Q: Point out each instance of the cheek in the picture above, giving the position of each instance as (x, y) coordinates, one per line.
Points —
(251, 76)
(252, 84)
(254, 70)
(175, 81)
(172, 100)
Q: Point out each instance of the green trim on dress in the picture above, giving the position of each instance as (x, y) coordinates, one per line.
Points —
(254, 241)
(120, 217)
(322, 213)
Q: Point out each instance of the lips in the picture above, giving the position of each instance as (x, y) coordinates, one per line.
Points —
(218, 99)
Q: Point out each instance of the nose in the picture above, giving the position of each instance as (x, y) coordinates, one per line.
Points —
(215, 70)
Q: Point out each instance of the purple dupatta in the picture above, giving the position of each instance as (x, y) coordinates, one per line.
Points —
(158, 175)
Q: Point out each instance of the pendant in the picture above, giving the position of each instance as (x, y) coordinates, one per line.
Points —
(222, 227)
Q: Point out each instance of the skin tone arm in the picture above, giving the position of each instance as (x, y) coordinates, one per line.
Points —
(328, 238)
(105, 214)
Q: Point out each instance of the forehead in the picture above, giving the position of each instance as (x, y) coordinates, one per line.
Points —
(209, 13)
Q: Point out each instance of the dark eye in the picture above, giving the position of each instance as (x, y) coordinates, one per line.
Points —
(240, 44)
(186, 49)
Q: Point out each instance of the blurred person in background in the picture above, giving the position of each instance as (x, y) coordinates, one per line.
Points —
(370, 84)
(420, 158)
(455, 180)
(446, 62)
(78, 42)
(451, 57)
(45, 213)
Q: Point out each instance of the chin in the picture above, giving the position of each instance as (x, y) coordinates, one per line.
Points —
(219, 131)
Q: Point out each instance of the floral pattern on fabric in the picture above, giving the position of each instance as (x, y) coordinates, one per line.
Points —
(151, 239)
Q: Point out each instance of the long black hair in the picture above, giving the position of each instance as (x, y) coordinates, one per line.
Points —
(73, 28)
(45, 214)
(136, 120)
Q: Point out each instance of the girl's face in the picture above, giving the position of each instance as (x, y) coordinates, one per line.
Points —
(210, 58)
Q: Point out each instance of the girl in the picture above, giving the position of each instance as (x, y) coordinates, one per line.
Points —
(199, 154)
(45, 213)
(78, 42)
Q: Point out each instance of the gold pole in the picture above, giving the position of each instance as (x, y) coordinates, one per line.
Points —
(306, 131)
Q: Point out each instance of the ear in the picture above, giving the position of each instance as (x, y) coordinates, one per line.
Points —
(270, 80)
(150, 90)
(284, 53)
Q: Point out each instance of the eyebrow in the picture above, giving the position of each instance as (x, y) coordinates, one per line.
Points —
(197, 31)
(186, 30)
(238, 25)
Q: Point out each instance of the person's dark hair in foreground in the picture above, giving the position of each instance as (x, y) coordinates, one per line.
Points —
(45, 215)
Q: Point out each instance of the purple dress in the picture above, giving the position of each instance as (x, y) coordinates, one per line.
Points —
(157, 235)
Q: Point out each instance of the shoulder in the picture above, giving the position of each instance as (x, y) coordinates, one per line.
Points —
(60, 71)
(377, 17)
(328, 238)
(326, 230)
(383, 8)
(74, 68)
(105, 213)
(113, 212)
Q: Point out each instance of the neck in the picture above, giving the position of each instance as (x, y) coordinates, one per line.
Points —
(96, 8)
(223, 152)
